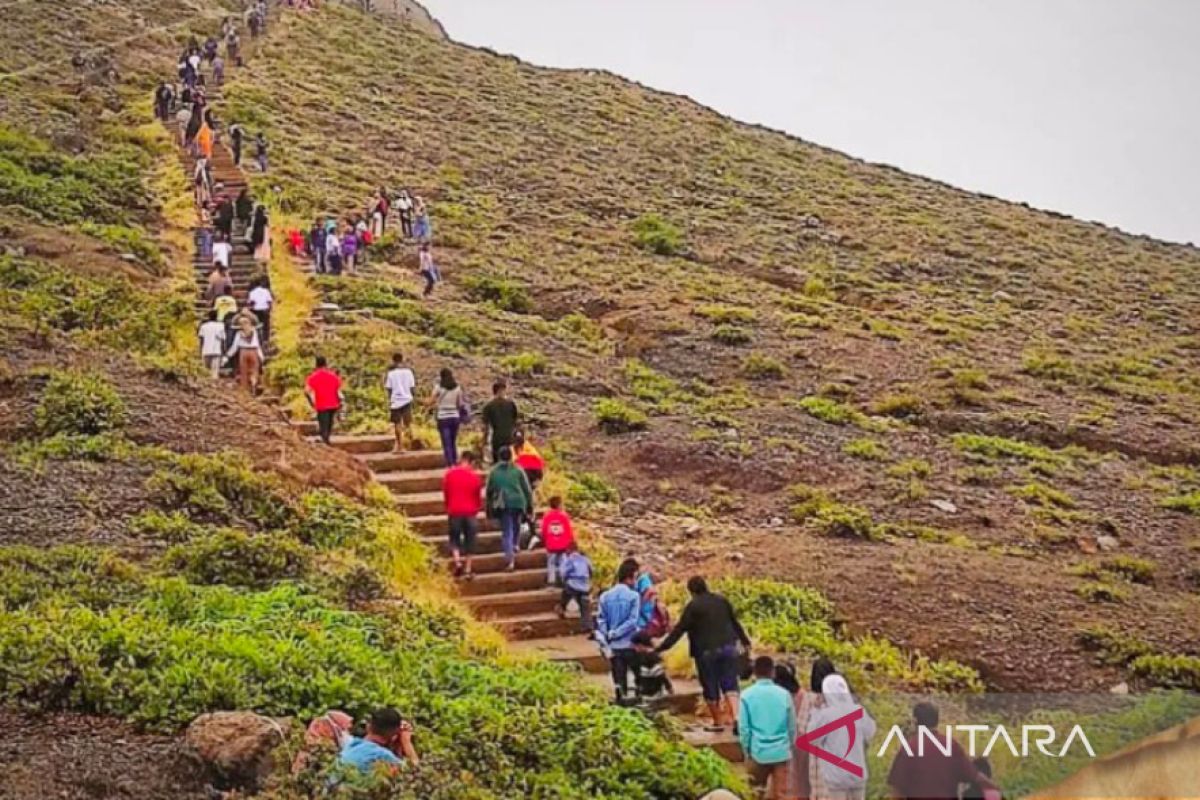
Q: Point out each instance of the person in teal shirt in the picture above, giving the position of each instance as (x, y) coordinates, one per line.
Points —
(766, 726)
(387, 734)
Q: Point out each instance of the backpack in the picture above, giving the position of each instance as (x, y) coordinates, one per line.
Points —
(660, 619)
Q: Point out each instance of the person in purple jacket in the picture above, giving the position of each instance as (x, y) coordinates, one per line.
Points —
(349, 249)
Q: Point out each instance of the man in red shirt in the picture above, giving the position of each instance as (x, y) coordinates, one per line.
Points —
(557, 536)
(931, 773)
(462, 489)
(324, 392)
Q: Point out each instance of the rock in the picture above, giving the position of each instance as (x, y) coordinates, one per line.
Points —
(944, 505)
(691, 527)
(776, 522)
(1087, 544)
(1001, 296)
(236, 746)
(737, 555)
(1120, 688)
(633, 506)
(1107, 543)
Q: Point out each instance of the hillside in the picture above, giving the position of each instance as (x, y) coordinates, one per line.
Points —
(942, 439)
(817, 341)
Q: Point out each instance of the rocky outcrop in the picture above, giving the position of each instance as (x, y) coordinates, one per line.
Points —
(237, 747)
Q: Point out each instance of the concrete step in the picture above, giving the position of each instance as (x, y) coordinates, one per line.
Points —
(535, 626)
(494, 562)
(503, 582)
(685, 700)
(576, 649)
(422, 504)
(724, 744)
(434, 527)
(412, 481)
(387, 461)
(510, 604)
(361, 445)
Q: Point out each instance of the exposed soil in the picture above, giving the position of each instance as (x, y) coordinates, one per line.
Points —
(73, 757)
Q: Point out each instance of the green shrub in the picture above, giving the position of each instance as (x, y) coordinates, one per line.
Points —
(181, 650)
(866, 449)
(722, 314)
(662, 393)
(328, 519)
(654, 234)
(1112, 646)
(901, 406)
(235, 558)
(504, 293)
(830, 411)
(525, 364)
(616, 416)
(731, 335)
(174, 526)
(221, 489)
(911, 468)
(997, 447)
(1187, 503)
(1101, 592)
(124, 239)
(758, 366)
(590, 488)
(79, 403)
(1170, 671)
(1039, 494)
(1134, 570)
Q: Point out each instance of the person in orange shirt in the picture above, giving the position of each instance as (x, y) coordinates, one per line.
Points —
(204, 141)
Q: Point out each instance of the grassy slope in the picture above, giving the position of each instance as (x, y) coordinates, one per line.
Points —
(881, 291)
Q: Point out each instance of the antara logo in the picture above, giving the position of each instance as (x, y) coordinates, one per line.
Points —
(1041, 737)
(846, 721)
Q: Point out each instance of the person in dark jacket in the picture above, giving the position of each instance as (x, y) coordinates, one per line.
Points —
(243, 207)
(509, 497)
(714, 634)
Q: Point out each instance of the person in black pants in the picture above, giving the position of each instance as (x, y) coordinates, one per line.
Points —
(323, 388)
(714, 634)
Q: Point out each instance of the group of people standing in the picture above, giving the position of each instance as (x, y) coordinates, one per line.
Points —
(336, 249)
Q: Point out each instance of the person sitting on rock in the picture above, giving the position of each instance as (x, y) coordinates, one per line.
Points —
(388, 742)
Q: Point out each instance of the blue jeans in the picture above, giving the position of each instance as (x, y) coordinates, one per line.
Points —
(448, 430)
(510, 530)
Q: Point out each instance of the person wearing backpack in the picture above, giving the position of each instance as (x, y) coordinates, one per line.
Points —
(509, 497)
(557, 536)
(654, 619)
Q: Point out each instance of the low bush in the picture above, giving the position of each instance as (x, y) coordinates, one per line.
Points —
(866, 449)
(1187, 503)
(758, 366)
(731, 335)
(900, 406)
(1101, 592)
(663, 394)
(999, 447)
(221, 489)
(616, 416)
(830, 411)
(79, 404)
(525, 364)
(722, 314)
(590, 488)
(654, 234)
(235, 558)
(1170, 671)
(506, 294)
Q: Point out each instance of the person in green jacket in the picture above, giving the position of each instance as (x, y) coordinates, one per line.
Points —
(509, 498)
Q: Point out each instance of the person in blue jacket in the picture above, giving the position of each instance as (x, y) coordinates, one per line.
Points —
(617, 623)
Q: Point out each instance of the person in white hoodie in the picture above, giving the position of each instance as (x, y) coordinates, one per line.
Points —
(842, 783)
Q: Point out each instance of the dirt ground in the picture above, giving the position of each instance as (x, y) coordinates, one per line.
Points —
(72, 757)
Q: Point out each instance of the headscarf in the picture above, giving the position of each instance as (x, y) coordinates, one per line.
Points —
(836, 692)
(329, 730)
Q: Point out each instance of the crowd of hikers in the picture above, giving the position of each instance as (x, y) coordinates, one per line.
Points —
(628, 622)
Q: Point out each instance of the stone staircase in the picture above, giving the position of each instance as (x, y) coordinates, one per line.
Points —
(517, 603)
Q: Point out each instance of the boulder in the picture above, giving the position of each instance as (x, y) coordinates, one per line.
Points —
(236, 747)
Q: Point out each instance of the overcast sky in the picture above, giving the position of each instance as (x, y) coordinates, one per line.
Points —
(1089, 107)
